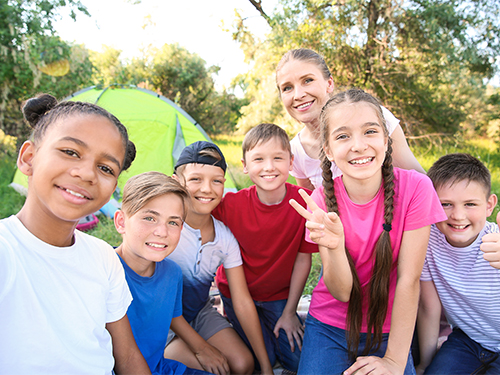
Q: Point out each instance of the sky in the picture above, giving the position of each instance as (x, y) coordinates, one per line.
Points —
(197, 25)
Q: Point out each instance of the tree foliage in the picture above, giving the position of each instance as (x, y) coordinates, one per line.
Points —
(184, 78)
(427, 60)
(27, 48)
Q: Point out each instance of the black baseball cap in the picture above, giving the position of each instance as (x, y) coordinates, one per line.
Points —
(191, 154)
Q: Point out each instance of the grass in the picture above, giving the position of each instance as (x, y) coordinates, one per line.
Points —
(485, 150)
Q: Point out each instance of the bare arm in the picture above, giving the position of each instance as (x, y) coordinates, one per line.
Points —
(210, 358)
(288, 320)
(428, 319)
(305, 183)
(128, 358)
(404, 312)
(402, 155)
(247, 315)
(327, 231)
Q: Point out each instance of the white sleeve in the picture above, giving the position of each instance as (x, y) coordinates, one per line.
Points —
(391, 121)
(7, 267)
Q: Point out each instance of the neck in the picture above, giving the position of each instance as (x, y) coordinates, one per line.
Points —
(270, 198)
(142, 267)
(362, 191)
(204, 223)
(48, 228)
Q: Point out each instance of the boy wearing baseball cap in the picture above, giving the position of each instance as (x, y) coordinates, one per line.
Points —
(205, 244)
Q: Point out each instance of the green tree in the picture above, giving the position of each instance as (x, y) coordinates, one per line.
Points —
(425, 59)
(184, 78)
(28, 46)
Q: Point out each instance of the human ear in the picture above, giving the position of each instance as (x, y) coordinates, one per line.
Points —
(245, 170)
(291, 162)
(491, 204)
(25, 158)
(328, 153)
(330, 85)
(119, 220)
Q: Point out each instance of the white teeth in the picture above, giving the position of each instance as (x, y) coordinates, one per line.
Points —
(156, 245)
(361, 161)
(268, 177)
(75, 193)
(304, 105)
(458, 226)
(204, 199)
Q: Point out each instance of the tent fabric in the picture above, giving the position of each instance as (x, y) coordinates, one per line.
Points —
(158, 127)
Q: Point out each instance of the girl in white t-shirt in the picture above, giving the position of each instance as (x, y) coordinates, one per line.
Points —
(63, 294)
(305, 84)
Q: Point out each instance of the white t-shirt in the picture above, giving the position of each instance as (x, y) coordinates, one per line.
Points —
(55, 303)
(306, 167)
(467, 285)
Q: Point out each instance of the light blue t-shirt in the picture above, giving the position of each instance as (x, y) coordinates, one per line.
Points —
(199, 263)
(157, 299)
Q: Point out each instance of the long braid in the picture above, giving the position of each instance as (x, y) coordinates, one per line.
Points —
(379, 283)
(354, 309)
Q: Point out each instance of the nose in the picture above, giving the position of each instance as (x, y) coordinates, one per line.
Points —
(86, 170)
(299, 92)
(457, 213)
(205, 186)
(268, 165)
(358, 143)
(161, 230)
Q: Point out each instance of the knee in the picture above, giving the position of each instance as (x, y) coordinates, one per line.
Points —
(242, 364)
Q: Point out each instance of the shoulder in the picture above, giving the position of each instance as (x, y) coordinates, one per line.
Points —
(408, 180)
(8, 267)
(490, 227)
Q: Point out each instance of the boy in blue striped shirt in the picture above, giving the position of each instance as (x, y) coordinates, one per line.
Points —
(461, 273)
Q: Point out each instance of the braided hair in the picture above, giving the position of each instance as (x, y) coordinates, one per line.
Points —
(43, 110)
(379, 282)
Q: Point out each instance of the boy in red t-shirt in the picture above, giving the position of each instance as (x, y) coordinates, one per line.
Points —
(276, 257)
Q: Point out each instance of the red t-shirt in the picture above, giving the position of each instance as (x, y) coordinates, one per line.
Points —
(270, 238)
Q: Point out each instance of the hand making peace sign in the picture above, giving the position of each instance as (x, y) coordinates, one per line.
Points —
(326, 229)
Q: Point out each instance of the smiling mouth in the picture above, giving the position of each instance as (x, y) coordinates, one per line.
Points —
(458, 226)
(158, 246)
(204, 200)
(305, 105)
(74, 193)
(269, 177)
(361, 161)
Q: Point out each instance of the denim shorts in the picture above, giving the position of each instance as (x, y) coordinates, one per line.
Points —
(324, 350)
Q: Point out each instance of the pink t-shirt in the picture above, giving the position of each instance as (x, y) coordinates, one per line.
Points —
(416, 205)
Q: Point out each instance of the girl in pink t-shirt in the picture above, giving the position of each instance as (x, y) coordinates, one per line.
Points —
(372, 243)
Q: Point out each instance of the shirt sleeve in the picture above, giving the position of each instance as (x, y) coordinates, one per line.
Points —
(178, 298)
(7, 267)
(119, 296)
(424, 208)
(391, 121)
(233, 258)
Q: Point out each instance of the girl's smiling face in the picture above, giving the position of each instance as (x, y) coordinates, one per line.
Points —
(303, 89)
(356, 142)
(74, 169)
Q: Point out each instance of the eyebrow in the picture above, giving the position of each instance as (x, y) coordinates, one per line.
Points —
(365, 125)
(81, 143)
(150, 211)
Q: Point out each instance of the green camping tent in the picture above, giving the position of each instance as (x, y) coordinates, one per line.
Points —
(158, 127)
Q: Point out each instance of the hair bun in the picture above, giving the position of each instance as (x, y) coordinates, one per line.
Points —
(130, 155)
(35, 108)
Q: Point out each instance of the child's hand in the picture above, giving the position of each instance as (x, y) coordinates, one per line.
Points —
(491, 247)
(212, 360)
(374, 366)
(326, 229)
(293, 329)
